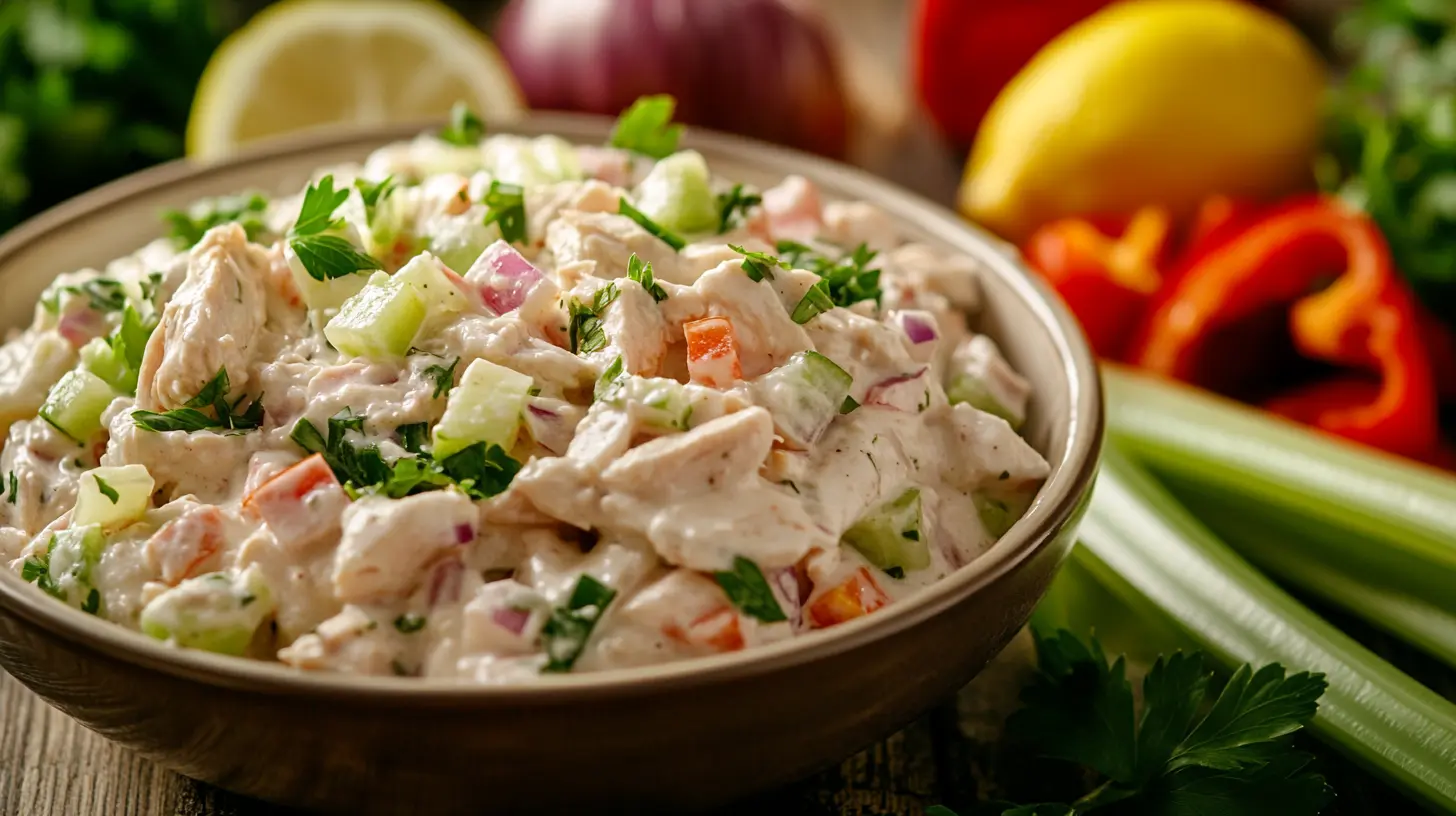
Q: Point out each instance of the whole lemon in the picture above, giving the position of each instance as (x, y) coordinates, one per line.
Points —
(1148, 102)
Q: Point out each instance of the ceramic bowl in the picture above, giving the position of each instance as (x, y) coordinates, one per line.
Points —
(673, 738)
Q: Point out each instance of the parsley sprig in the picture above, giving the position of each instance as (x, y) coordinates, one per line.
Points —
(325, 257)
(506, 206)
(641, 271)
(374, 192)
(566, 632)
(647, 127)
(746, 587)
(102, 295)
(658, 231)
(193, 415)
(733, 207)
(842, 282)
(585, 331)
(444, 377)
(759, 265)
(466, 129)
(480, 470)
(186, 227)
(1178, 755)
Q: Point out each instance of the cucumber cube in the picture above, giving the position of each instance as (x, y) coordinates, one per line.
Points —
(485, 407)
(99, 358)
(113, 496)
(322, 294)
(213, 612)
(379, 322)
(427, 277)
(677, 194)
(75, 404)
(890, 536)
(804, 395)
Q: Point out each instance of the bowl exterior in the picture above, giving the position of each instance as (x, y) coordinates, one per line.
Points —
(680, 739)
(683, 750)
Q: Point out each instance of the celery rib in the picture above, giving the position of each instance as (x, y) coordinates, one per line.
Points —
(1140, 543)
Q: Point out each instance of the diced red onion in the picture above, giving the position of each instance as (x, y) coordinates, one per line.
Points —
(464, 533)
(919, 326)
(542, 413)
(503, 277)
(762, 68)
(511, 619)
(906, 392)
(81, 326)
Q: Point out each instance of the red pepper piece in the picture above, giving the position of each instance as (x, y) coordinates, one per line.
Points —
(1105, 276)
(1365, 320)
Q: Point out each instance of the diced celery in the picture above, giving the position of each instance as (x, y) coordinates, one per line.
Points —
(213, 612)
(999, 511)
(485, 407)
(890, 535)
(102, 360)
(113, 496)
(677, 193)
(323, 294)
(656, 402)
(75, 404)
(972, 390)
(437, 292)
(804, 395)
(458, 240)
(380, 321)
(73, 553)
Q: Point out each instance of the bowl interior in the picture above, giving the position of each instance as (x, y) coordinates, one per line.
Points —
(1035, 333)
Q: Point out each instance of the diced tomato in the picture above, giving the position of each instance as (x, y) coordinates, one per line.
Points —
(856, 597)
(300, 504)
(179, 550)
(712, 352)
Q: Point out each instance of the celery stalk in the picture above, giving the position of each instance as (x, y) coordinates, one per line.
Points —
(1279, 548)
(1221, 445)
(1140, 543)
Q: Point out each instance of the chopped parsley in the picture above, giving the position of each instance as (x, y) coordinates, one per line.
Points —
(586, 331)
(749, 591)
(186, 227)
(106, 490)
(193, 416)
(14, 487)
(641, 271)
(412, 437)
(373, 193)
(102, 295)
(506, 206)
(797, 255)
(843, 282)
(409, 623)
(443, 376)
(92, 604)
(325, 257)
(658, 231)
(37, 570)
(646, 127)
(566, 632)
(848, 406)
(733, 207)
(758, 265)
(611, 380)
(898, 573)
(814, 302)
(466, 129)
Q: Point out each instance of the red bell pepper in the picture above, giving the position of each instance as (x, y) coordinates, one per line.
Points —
(1365, 321)
(1105, 274)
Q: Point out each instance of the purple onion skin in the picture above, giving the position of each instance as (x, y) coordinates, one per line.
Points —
(754, 67)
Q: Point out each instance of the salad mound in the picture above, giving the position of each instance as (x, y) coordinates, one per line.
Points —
(486, 406)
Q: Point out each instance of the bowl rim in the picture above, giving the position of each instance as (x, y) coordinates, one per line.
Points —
(1057, 502)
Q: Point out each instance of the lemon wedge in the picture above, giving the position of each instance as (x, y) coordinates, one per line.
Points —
(304, 64)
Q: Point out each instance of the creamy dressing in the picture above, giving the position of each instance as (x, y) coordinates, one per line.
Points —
(657, 514)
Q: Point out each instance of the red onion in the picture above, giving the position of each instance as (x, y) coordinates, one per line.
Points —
(464, 533)
(762, 68)
(511, 619)
(919, 326)
(79, 327)
(504, 277)
(907, 392)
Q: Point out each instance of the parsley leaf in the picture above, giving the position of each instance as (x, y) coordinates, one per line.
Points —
(610, 381)
(106, 490)
(586, 331)
(409, 623)
(14, 487)
(565, 634)
(190, 417)
(1173, 758)
(733, 207)
(412, 437)
(758, 265)
(186, 227)
(646, 127)
(641, 271)
(749, 591)
(92, 604)
(316, 213)
(325, 257)
(465, 128)
(374, 192)
(661, 233)
(506, 205)
(814, 302)
(799, 256)
(443, 376)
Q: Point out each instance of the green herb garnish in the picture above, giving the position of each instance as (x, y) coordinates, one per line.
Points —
(646, 127)
(186, 227)
(641, 271)
(412, 437)
(758, 265)
(325, 257)
(192, 416)
(106, 490)
(661, 233)
(92, 604)
(409, 623)
(586, 331)
(374, 192)
(566, 632)
(506, 206)
(733, 207)
(465, 128)
(816, 301)
(749, 591)
(444, 377)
